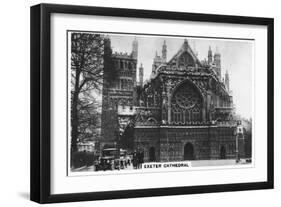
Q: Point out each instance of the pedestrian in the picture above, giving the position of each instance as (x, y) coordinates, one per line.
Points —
(138, 159)
(135, 159)
(141, 158)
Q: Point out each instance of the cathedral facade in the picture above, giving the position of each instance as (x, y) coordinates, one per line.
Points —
(183, 112)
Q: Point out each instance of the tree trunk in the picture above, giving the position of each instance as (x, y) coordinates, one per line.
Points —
(75, 121)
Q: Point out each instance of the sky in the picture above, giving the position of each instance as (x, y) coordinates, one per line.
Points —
(236, 57)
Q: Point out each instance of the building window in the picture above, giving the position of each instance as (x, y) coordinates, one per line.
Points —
(186, 104)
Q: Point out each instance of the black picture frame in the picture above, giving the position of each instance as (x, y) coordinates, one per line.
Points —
(41, 99)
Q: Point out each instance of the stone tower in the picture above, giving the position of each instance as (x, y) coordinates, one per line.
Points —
(210, 56)
(157, 61)
(135, 49)
(141, 75)
(164, 52)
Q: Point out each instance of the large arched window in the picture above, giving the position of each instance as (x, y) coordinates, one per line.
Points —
(186, 104)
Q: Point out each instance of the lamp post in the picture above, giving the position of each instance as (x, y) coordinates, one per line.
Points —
(239, 131)
(237, 151)
(117, 134)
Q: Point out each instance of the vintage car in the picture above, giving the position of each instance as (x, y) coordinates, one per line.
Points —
(110, 159)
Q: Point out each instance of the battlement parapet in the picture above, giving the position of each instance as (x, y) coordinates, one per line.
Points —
(122, 55)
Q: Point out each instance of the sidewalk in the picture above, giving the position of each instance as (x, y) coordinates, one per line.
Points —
(92, 168)
(84, 168)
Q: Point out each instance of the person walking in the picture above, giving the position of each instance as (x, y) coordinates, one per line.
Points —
(141, 159)
(135, 159)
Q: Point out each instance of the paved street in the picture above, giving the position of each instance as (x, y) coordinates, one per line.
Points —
(92, 168)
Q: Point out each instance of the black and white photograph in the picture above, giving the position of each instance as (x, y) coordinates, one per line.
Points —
(141, 103)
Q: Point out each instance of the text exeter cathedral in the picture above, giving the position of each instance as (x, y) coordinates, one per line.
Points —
(183, 112)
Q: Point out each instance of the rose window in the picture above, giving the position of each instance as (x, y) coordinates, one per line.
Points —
(186, 104)
(186, 98)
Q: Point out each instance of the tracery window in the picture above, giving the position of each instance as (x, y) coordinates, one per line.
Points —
(186, 60)
(186, 105)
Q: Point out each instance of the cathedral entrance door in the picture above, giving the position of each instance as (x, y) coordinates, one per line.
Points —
(188, 152)
(152, 157)
(222, 152)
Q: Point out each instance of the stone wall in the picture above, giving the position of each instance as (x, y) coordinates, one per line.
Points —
(175, 143)
(145, 139)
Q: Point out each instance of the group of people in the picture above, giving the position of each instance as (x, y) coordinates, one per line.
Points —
(138, 157)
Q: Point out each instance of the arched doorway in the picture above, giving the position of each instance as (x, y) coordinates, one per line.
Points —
(188, 152)
(152, 157)
(222, 152)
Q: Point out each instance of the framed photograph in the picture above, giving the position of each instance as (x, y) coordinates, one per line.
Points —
(133, 103)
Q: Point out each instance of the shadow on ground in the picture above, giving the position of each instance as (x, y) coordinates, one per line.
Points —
(24, 195)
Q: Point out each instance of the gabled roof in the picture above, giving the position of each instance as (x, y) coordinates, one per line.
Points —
(185, 48)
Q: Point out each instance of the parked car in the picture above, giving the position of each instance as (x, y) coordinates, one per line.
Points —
(107, 160)
(110, 159)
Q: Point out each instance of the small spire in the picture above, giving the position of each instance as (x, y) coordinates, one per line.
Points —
(164, 52)
(135, 48)
(141, 75)
(210, 55)
(135, 40)
(217, 50)
(226, 80)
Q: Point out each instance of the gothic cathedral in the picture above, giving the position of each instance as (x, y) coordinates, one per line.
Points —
(183, 112)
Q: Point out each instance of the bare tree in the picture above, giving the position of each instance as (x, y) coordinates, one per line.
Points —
(90, 61)
(89, 118)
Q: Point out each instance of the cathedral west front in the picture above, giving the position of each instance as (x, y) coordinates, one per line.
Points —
(184, 111)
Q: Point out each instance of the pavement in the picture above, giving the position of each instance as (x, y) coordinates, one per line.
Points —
(92, 168)
(194, 163)
(202, 163)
